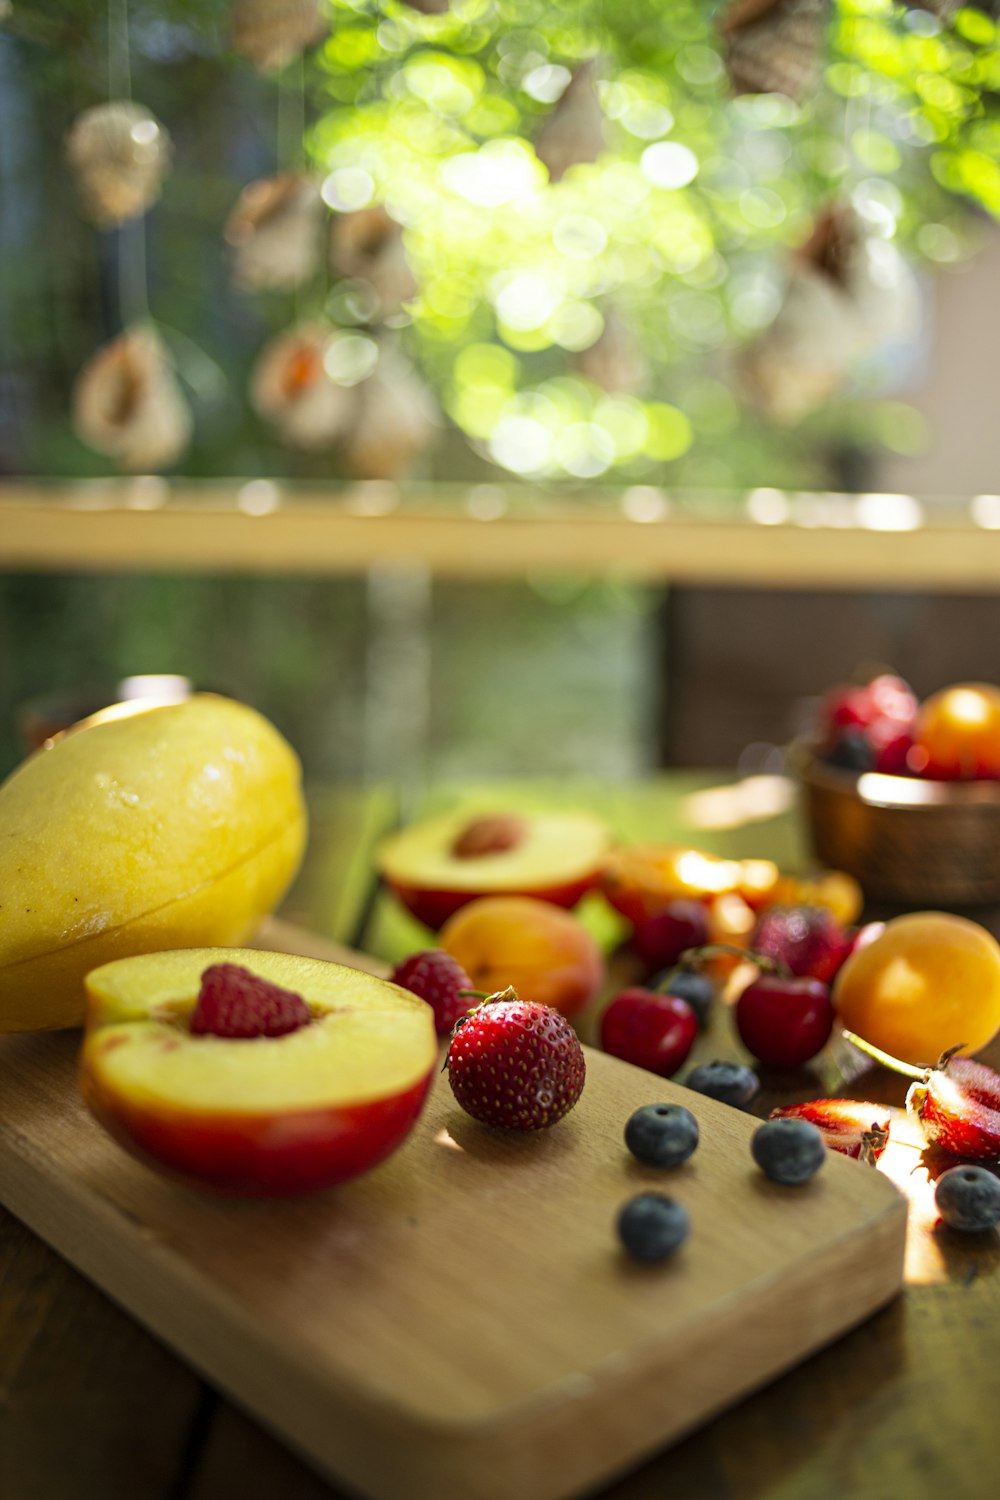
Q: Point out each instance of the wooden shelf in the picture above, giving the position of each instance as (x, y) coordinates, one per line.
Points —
(767, 539)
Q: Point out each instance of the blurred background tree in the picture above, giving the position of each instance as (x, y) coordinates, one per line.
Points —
(676, 241)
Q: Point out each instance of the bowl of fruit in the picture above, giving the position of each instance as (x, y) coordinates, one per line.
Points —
(905, 795)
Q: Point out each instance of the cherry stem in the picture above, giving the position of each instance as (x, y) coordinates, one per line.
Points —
(908, 1070)
(692, 957)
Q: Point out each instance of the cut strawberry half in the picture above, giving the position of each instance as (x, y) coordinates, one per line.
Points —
(958, 1107)
(852, 1128)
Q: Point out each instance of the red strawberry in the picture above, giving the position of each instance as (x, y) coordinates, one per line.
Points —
(958, 1106)
(807, 939)
(233, 1002)
(439, 979)
(847, 1126)
(515, 1063)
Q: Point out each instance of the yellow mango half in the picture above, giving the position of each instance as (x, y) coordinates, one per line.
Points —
(180, 826)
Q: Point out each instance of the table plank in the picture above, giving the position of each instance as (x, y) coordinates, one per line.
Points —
(554, 1369)
(88, 1400)
(89, 1403)
(904, 1405)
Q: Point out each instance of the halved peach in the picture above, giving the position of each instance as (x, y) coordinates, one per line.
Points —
(260, 1116)
(437, 865)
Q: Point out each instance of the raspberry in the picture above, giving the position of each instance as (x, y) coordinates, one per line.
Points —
(439, 979)
(516, 1064)
(233, 1002)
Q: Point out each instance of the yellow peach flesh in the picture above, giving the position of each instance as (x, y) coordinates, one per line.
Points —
(368, 1040)
(555, 849)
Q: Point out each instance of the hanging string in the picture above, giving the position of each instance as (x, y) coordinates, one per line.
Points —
(130, 238)
(858, 115)
(119, 58)
(290, 146)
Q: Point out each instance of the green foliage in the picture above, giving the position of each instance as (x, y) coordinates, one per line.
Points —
(577, 326)
(676, 237)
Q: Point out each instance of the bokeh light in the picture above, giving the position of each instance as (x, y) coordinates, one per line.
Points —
(599, 224)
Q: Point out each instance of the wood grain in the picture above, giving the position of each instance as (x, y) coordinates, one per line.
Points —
(88, 1400)
(107, 525)
(460, 1321)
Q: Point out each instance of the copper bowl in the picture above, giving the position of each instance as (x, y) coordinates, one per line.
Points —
(908, 841)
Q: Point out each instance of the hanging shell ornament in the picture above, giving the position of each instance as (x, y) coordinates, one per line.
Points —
(850, 299)
(573, 133)
(775, 46)
(127, 404)
(397, 422)
(367, 245)
(269, 33)
(119, 154)
(291, 388)
(274, 232)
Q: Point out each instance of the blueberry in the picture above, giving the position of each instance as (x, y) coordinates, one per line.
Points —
(697, 989)
(662, 1135)
(968, 1198)
(851, 752)
(788, 1151)
(652, 1226)
(733, 1083)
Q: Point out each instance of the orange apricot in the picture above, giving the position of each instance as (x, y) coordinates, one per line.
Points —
(928, 982)
(543, 951)
(957, 733)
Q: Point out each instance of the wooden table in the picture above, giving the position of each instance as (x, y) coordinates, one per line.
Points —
(92, 1408)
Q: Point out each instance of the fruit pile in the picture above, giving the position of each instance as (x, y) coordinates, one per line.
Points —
(496, 884)
(954, 735)
(264, 1074)
(914, 987)
(784, 1013)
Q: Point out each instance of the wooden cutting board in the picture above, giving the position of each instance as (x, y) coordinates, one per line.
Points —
(460, 1322)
